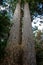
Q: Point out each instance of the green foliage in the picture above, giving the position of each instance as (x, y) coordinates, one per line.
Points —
(39, 47)
(39, 51)
(4, 23)
(4, 30)
(32, 5)
(2, 47)
(39, 55)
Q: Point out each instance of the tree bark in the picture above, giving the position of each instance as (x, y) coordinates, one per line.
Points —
(24, 53)
(27, 39)
(12, 49)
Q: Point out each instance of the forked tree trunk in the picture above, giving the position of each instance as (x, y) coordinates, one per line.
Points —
(12, 49)
(27, 39)
(24, 53)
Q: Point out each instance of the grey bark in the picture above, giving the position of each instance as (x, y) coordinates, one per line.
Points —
(24, 53)
(12, 49)
(27, 39)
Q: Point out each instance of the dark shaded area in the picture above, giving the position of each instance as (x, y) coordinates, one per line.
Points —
(1, 2)
(4, 31)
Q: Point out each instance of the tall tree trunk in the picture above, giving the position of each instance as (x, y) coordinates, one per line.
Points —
(12, 49)
(27, 39)
(20, 52)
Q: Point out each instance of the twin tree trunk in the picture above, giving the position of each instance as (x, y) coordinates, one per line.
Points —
(20, 48)
(27, 38)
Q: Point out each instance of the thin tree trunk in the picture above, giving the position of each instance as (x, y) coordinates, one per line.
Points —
(27, 39)
(12, 49)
